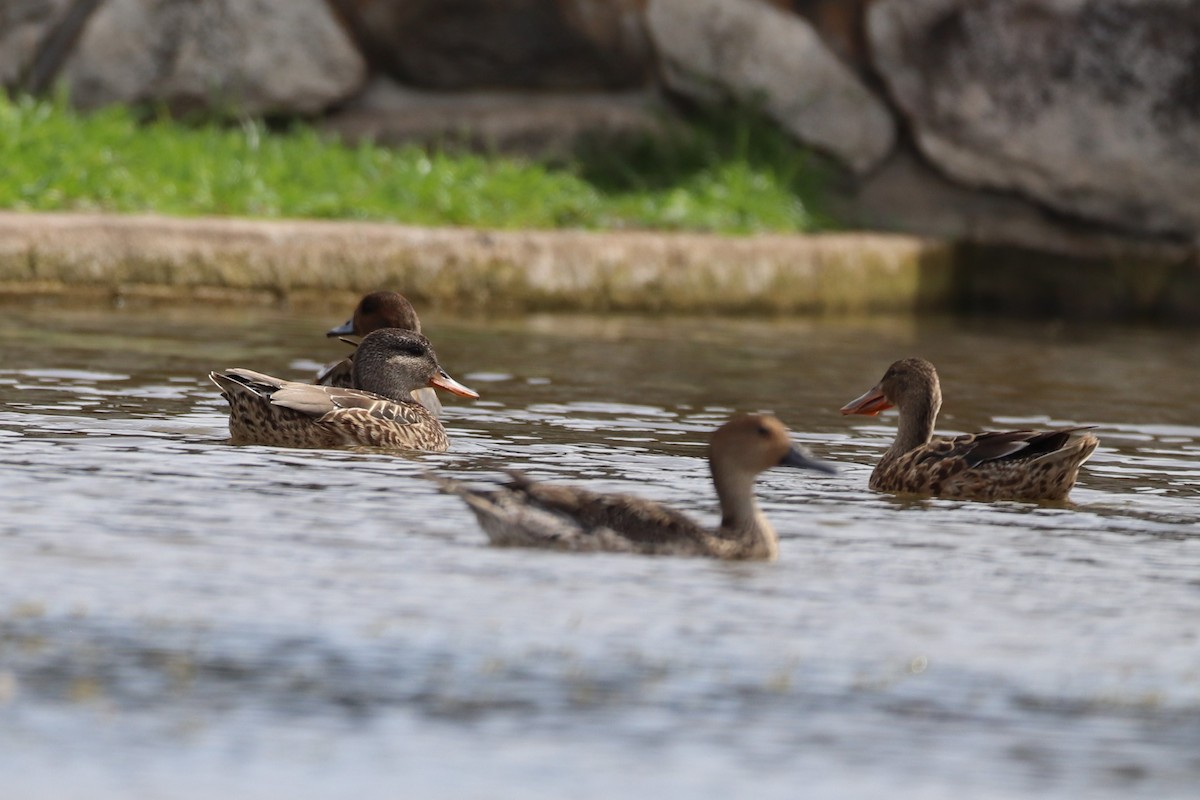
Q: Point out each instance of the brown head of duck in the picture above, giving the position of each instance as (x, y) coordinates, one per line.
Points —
(379, 310)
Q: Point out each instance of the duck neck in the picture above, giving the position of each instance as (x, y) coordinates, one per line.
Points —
(741, 519)
(916, 422)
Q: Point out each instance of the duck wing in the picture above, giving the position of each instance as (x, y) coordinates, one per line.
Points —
(527, 513)
(634, 518)
(327, 401)
(992, 446)
(995, 465)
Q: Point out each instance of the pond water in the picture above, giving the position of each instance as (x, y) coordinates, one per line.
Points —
(182, 618)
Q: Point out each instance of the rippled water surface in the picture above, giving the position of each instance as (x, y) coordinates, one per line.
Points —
(181, 618)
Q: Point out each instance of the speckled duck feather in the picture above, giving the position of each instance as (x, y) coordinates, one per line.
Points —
(267, 410)
(996, 465)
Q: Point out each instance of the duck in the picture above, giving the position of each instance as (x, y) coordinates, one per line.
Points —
(390, 363)
(374, 311)
(992, 465)
(528, 513)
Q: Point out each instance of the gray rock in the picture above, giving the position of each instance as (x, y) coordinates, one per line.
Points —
(24, 28)
(472, 45)
(756, 53)
(225, 56)
(906, 194)
(1091, 107)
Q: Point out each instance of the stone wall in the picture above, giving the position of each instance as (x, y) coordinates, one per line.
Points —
(1037, 123)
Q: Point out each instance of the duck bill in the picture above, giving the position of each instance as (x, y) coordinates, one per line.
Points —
(345, 329)
(795, 457)
(869, 404)
(443, 381)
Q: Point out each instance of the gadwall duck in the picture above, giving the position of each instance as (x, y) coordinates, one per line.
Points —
(996, 465)
(525, 513)
(390, 363)
(375, 311)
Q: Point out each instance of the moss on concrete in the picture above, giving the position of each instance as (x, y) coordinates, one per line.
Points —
(468, 269)
(244, 261)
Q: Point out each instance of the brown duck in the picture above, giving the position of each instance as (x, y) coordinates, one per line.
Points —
(390, 363)
(525, 513)
(996, 465)
(375, 311)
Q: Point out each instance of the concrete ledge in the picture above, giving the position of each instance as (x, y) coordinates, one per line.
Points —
(226, 261)
(231, 260)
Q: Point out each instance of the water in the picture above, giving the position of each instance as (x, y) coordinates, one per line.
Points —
(180, 618)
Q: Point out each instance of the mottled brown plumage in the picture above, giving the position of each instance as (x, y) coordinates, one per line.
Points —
(996, 465)
(375, 311)
(525, 513)
(390, 363)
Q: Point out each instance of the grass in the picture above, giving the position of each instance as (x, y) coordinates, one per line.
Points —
(730, 172)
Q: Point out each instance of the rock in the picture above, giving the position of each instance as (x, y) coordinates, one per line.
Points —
(505, 44)
(840, 25)
(754, 53)
(226, 56)
(25, 26)
(906, 194)
(1090, 107)
(542, 124)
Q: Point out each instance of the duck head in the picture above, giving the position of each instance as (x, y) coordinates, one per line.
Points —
(908, 383)
(379, 310)
(393, 362)
(753, 443)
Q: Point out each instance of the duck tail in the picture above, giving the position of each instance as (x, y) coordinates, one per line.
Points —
(1076, 447)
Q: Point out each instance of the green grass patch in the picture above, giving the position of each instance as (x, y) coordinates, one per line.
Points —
(731, 172)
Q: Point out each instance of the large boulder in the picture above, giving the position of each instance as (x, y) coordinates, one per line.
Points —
(906, 194)
(225, 56)
(756, 53)
(25, 28)
(1091, 107)
(505, 44)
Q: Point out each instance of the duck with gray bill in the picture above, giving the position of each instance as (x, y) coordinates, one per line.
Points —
(527, 513)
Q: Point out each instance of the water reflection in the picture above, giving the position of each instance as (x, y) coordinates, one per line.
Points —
(270, 621)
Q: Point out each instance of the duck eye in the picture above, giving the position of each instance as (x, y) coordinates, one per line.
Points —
(762, 431)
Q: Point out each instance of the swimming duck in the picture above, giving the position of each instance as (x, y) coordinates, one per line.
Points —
(374, 311)
(525, 513)
(996, 465)
(390, 363)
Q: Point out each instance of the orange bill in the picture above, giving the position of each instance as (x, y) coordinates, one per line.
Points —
(869, 404)
(443, 381)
